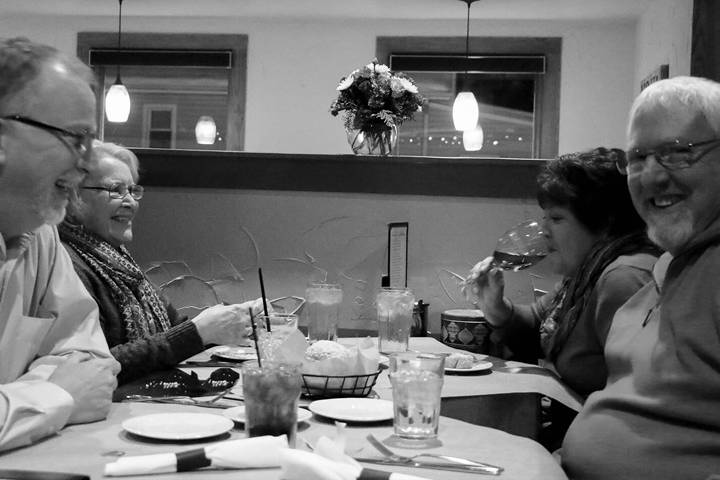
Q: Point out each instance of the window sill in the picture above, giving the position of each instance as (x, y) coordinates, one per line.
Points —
(435, 176)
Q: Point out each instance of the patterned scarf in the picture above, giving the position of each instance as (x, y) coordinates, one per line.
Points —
(574, 294)
(141, 307)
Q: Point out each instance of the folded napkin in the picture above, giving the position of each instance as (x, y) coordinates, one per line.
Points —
(256, 452)
(329, 462)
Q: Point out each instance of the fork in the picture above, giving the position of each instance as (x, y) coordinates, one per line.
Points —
(401, 458)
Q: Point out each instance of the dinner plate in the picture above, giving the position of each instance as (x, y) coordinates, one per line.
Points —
(353, 409)
(178, 426)
(237, 414)
(477, 367)
(233, 353)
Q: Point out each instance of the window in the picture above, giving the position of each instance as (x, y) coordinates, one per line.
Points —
(515, 80)
(158, 130)
(173, 81)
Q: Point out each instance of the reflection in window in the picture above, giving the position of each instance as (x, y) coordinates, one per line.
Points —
(176, 98)
(506, 116)
(516, 81)
(174, 80)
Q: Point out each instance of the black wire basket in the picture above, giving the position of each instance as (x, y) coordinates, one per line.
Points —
(328, 386)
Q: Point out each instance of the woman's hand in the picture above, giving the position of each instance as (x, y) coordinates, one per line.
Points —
(227, 324)
(485, 286)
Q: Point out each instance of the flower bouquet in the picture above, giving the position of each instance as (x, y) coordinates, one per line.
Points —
(375, 101)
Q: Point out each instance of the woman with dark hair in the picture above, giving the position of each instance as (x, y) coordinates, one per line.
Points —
(598, 245)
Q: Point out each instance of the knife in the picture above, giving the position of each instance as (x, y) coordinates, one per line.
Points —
(482, 470)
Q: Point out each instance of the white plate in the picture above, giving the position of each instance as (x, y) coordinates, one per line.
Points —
(237, 414)
(353, 409)
(238, 354)
(178, 426)
(477, 367)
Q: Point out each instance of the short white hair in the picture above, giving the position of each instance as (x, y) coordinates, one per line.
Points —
(108, 149)
(699, 94)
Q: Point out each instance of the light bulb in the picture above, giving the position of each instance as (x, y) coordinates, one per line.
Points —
(465, 111)
(473, 139)
(205, 130)
(117, 103)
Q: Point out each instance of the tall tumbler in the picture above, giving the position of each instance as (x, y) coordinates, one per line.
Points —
(395, 318)
(323, 301)
(417, 380)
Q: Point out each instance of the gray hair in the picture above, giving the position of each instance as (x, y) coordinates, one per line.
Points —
(696, 93)
(108, 149)
(21, 61)
(100, 150)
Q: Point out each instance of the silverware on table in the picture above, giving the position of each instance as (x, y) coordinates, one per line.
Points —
(464, 463)
(179, 400)
(208, 363)
(433, 466)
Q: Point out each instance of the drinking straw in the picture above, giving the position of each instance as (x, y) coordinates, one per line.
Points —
(262, 292)
(255, 336)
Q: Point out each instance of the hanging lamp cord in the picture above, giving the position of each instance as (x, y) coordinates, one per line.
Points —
(117, 77)
(467, 39)
(120, 24)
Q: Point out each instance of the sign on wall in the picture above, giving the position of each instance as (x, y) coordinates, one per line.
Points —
(659, 73)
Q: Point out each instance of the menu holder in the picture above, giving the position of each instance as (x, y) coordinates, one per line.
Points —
(398, 254)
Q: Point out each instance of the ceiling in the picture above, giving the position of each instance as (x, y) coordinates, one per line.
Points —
(592, 10)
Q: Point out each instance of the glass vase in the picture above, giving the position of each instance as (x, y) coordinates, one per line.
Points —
(372, 143)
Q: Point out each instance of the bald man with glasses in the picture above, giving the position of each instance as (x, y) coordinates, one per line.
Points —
(659, 415)
(55, 366)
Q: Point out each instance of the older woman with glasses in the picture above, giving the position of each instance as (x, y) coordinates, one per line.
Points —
(143, 331)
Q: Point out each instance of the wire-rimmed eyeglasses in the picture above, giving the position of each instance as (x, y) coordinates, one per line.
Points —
(80, 143)
(120, 190)
(672, 156)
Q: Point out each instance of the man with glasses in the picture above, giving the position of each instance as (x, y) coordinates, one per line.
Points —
(55, 366)
(659, 415)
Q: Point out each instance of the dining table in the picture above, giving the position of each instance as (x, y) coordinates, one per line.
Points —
(506, 396)
(87, 448)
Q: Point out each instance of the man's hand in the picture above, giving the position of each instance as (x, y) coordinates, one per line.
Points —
(91, 383)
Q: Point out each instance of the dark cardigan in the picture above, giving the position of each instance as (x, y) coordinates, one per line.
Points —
(143, 356)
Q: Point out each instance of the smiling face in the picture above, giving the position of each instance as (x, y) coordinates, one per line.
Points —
(109, 218)
(39, 168)
(677, 205)
(569, 240)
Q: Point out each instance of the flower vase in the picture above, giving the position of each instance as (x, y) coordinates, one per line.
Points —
(372, 143)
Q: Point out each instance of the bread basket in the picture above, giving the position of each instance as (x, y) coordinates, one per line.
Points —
(328, 386)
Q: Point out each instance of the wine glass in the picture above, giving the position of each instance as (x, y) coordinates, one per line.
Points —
(521, 247)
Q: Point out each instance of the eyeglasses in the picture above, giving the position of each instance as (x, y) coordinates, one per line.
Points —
(672, 156)
(120, 190)
(81, 142)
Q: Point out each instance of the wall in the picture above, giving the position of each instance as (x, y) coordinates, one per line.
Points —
(664, 36)
(290, 89)
(293, 68)
(299, 233)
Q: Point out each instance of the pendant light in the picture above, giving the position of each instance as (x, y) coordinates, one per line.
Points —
(205, 130)
(465, 108)
(473, 139)
(117, 100)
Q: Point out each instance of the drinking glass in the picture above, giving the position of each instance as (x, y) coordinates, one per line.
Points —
(281, 326)
(271, 394)
(521, 247)
(323, 302)
(395, 317)
(417, 380)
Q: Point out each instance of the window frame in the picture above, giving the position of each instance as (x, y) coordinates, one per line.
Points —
(237, 82)
(547, 102)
